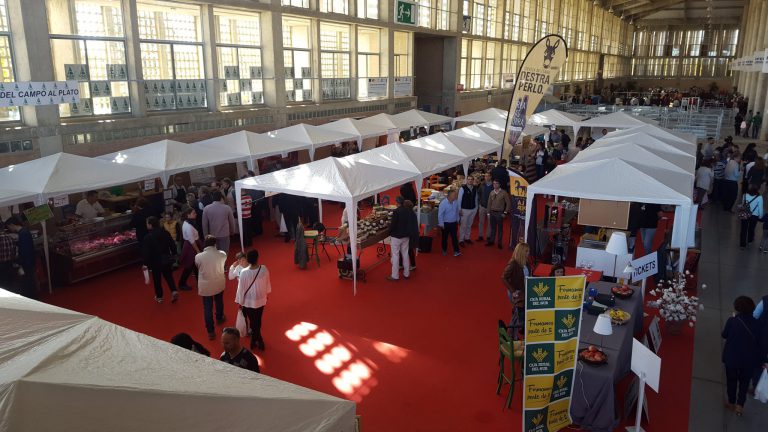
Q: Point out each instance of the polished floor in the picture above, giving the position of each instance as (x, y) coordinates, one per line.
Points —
(728, 272)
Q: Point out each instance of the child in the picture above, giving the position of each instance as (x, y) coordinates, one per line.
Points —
(764, 242)
(171, 224)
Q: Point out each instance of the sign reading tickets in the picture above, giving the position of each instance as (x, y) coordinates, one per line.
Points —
(534, 78)
(552, 324)
(39, 93)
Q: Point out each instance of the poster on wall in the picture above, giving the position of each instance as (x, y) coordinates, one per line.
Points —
(231, 72)
(257, 72)
(377, 87)
(120, 104)
(117, 72)
(39, 93)
(534, 78)
(403, 86)
(552, 325)
(101, 89)
(76, 72)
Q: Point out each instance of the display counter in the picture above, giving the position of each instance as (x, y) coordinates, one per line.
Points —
(84, 250)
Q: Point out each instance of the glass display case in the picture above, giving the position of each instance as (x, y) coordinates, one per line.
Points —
(85, 250)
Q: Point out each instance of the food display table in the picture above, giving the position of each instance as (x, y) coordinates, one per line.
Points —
(542, 270)
(438, 186)
(379, 240)
(594, 396)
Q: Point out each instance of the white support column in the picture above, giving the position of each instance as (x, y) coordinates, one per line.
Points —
(133, 60)
(211, 70)
(34, 62)
(273, 65)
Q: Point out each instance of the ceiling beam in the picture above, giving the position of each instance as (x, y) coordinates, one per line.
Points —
(656, 5)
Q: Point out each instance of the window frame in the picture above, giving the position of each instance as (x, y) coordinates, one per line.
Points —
(222, 12)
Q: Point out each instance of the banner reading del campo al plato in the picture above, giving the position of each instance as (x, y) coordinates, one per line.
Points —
(552, 323)
(537, 73)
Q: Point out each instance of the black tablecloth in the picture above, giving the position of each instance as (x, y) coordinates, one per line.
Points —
(593, 399)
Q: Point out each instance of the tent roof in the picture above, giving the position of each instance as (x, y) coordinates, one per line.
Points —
(430, 161)
(169, 157)
(252, 145)
(496, 130)
(656, 131)
(618, 119)
(473, 147)
(632, 152)
(359, 128)
(488, 114)
(58, 361)
(437, 142)
(675, 155)
(331, 178)
(554, 117)
(476, 132)
(420, 118)
(314, 135)
(10, 197)
(642, 137)
(65, 173)
(609, 179)
(386, 120)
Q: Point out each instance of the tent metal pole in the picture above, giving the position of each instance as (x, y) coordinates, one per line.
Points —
(47, 257)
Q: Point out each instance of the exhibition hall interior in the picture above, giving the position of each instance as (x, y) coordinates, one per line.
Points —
(384, 215)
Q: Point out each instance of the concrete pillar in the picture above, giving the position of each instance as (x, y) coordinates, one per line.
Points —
(211, 59)
(273, 64)
(34, 62)
(133, 59)
(761, 78)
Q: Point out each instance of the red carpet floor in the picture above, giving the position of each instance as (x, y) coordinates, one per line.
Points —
(416, 355)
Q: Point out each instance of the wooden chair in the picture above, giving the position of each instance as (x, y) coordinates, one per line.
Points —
(512, 351)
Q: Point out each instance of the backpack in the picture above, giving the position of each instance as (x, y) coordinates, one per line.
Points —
(744, 210)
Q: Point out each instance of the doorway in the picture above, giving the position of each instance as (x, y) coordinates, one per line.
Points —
(434, 69)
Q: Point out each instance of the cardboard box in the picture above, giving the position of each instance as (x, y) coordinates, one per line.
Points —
(601, 213)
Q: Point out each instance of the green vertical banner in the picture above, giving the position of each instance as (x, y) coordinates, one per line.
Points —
(552, 324)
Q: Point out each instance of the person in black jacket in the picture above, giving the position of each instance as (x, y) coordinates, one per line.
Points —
(158, 252)
(400, 232)
(741, 354)
(408, 192)
(500, 174)
(27, 259)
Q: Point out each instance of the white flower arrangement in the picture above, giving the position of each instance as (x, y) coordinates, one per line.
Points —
(674, 303)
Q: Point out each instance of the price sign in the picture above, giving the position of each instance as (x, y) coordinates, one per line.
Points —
(38, 214)
(60, 201)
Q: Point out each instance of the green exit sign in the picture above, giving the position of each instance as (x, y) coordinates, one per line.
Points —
(405, 12)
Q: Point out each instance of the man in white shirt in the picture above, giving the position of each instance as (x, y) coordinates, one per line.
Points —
(211, 282)
(89, 207)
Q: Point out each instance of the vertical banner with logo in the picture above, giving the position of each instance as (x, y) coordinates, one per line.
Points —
(552, 324)
(537, 73)
(518, 189)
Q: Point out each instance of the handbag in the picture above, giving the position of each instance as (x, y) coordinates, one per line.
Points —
(761, 389)
(744, 210)
(240, 323)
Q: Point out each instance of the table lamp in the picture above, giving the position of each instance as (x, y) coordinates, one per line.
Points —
(617, 246)
(603, 327)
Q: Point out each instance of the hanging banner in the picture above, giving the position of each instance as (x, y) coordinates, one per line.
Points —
(403, 86)
(759, 60)
(377, 87)
(552, 326)
(536, 74)
(39, 93)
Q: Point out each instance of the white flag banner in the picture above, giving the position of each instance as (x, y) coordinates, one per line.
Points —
(39, 93)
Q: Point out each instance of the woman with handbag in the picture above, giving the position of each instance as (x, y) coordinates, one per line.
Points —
(750, 211)
(253, 288)
(741, 352)
(190, 247)
(513, 278)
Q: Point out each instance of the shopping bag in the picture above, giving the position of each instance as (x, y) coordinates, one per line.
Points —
(240, 323)
(146, 275)
(761, 390)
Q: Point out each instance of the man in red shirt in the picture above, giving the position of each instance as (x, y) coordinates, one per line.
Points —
(247, 216)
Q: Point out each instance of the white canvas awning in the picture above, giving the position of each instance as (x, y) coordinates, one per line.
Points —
(168, 157)
(496, 130)
(486, 115)
(477, 133)
(617, 120)
(635, 152)
(65, 173)
(657, 131)
(556, 118)
(62, 370)
(358, 128)
(10, 197)
(313, 135)
(418, 118)
(673, 154)
(251, 146)
(386, 121)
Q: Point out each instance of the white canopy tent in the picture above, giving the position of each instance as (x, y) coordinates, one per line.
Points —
(486, 115)
(641, 137)
(358, 128)
(656, 131)
(618, 180)
(418, 118)
(62, 174)
(62, 370)
(496, 130)
(385, 120)
(251, 146)
(634, 152)
(314, 135)
(679, 157)
(334, 179)
(617, 120)
(10, 197)
(168, 157)
(475, 132)
(554, 117)
(441, 143)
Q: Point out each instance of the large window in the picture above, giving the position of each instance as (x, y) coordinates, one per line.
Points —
(6, 64)
(511, 59)
(368, 9)
(369, 63)
(296, 3)
(87, 44)
(171, 56)
(478, 63)
(335, 61)
(435, 14)
(403, 54)
(238, 39)
(297, 57)
(334, 6)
